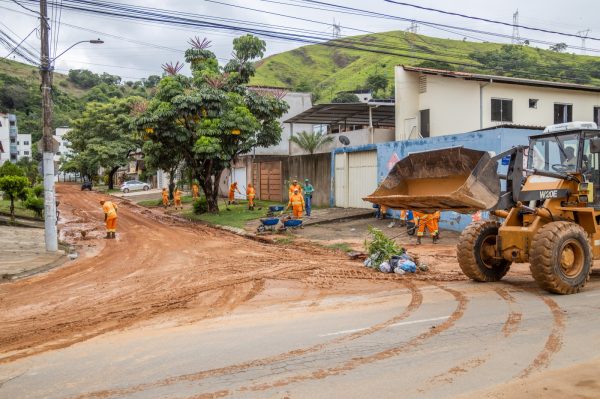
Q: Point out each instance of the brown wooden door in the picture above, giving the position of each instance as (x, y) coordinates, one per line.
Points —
(269, 181)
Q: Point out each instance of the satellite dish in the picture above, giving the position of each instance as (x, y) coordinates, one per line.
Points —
(344, 140)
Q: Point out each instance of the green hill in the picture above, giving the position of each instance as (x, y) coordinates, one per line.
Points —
(326, 70)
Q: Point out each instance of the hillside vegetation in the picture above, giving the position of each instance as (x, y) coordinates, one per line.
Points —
(326, 70)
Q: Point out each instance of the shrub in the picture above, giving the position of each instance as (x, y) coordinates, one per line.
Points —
(200, 206)
(35, 204)
(38, 190)
(381, 248)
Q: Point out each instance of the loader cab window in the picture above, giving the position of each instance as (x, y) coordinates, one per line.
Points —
(556, 153)
(590, 167)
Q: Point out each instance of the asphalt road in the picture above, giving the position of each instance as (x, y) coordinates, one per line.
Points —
(422, 340)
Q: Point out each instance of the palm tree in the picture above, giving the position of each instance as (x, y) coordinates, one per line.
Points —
(310, 142)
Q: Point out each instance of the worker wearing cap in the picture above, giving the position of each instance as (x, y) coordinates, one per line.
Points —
(250, 194)
(177, 198)
(110, 218)
(195, 191)
(165, 197)
(297, 204)
(308, 193)
(294, 186)
(232, 189)
(426, 220)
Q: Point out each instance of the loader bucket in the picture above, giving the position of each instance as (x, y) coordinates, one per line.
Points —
(458, 179)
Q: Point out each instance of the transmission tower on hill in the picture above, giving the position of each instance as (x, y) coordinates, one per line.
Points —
(583, 34)
(413, 28)
(516, 39)
(337, 30)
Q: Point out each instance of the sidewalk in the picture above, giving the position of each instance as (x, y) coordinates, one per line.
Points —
(324, 215)
(23, 253)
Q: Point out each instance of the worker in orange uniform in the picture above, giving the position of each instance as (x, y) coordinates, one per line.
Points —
(436, 218)
(195, 192)
(110, 218)
(293, 187)
(177, 198)
(232, 189)
(297, 204)
(426, 220)
(250, 194)
(165, 197)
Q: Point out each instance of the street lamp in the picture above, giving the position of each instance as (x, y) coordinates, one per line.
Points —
(51, 236)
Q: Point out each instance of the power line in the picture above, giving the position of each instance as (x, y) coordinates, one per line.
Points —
(18, 45)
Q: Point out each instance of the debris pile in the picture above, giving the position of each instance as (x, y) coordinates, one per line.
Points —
(387, 257)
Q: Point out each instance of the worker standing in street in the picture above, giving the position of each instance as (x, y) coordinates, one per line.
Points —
(195, 191)
(297, 204)
(165, 197)
(294, 186)
(426, 220)
(232, 189)
(110, 218)
(177, 198)
(250, 194)
(436, 218)
(308, 193)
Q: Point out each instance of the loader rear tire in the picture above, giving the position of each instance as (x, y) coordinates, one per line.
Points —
(475, 251)
(561, 257)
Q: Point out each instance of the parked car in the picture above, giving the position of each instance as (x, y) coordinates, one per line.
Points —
(133, 185)
(86, 185)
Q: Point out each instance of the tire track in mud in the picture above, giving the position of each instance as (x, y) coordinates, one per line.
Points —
(511, 325)
(415, 303)
(554, 340)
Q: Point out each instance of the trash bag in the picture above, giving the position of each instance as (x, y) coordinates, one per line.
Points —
(394, 260)
(408, 266)
(399, 270)
(368, 262)
(385, 267)
(406, 256)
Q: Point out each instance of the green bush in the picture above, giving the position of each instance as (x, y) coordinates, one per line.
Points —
(200, 206)
(38, 190)
(381, 248)
(35, 204)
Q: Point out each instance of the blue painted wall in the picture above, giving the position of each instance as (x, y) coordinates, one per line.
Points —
(495, 140)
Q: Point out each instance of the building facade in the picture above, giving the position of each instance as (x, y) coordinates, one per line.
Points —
(431, 102)
(13, 146)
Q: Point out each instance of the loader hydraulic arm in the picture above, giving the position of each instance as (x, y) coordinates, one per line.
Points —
(514, 177)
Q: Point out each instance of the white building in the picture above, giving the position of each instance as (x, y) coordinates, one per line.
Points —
(64, 149)
(432, 102)
(13, 146)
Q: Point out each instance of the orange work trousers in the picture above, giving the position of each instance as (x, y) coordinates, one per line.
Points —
(428, 223)
(111, 225)
(297, 209)
(251, 200)
(177, 202)
(165, 201)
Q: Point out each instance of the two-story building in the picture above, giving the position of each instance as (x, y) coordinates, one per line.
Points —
(13, 146)
(432, 102)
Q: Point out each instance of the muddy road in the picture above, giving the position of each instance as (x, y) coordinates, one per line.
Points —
(178, 310)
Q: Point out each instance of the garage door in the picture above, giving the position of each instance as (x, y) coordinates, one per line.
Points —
(341, 180)
(268, 180)
(362, 177)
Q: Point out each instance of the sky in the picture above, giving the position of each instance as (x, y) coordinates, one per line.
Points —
(142, 47)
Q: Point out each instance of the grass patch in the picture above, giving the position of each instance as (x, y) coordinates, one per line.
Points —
(20, 210)
(237, 216)
(186, 199)
(288, 239)
(342, 246)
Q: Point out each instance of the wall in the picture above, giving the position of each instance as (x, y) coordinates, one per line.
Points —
(456, 106)
(356, 137)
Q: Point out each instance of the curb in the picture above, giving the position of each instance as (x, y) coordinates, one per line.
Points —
(59, 261)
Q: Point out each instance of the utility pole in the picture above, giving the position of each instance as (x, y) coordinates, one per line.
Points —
(583, 34)
(47, 140)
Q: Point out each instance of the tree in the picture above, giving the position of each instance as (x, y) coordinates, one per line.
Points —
(559, 47)
(84, 78)
(310, 142)
(157, 156)
(10, 169)
(377, 82)
(345, 97)
(213, 117)
(103, 136)
(151, 81)
(13, 186)
(29, 168)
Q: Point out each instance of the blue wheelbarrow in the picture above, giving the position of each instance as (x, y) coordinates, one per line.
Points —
(292, 224)
(273, 209)
(267, 224)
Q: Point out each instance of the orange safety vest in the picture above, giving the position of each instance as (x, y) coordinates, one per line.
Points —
(177, 195)
(250, 192)
(110, 210)
(297, 200)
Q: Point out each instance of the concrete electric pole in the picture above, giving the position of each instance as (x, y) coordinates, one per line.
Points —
(47, 150)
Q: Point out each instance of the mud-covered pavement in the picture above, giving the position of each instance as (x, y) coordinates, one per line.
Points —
(178, 310)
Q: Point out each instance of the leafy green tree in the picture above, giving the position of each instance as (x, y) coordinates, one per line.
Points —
(30, 169)
(13, 186)
(103, 136)
(151, 81)
(310, 142)
(345, 97)
(213, 117)
(11, 169)
(559, 47)
(377, 82)
(157, 156)
(84, 78)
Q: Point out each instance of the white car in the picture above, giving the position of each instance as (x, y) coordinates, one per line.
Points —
(133, 185)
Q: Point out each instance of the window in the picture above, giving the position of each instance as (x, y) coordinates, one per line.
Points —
(17, 143)
(26, 142)
(554, 153)
(597, 115)
(13, 141)
(501, 110)
(11, 123)
(563, 113)
(533, 103)
(424, 122)
(25, 152)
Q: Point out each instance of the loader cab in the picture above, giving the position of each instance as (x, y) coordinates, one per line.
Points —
(569, 150)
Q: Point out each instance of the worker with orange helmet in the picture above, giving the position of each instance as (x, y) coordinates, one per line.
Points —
(232, 189)
(426, 220)
(294, 186)
(250, 194)
(110, 218)
(165, 197)
(297, 204)
(195, 191)
(177, 198)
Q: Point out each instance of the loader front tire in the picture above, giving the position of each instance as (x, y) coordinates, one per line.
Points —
(561, 257)
(476, 249)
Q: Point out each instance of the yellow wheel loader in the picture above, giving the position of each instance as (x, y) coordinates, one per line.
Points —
(547, 213)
